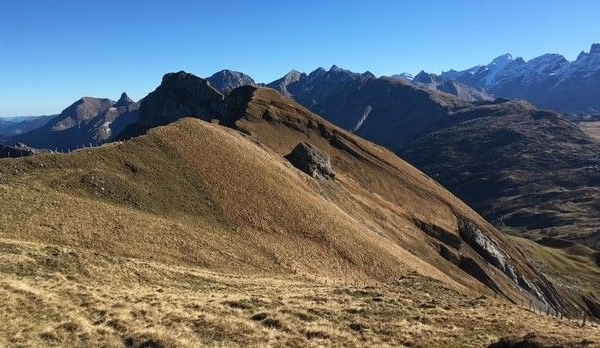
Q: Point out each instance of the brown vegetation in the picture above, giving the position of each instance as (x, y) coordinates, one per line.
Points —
(197, 232)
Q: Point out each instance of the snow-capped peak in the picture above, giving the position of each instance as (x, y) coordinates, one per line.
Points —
(502, 60)
(496, 67)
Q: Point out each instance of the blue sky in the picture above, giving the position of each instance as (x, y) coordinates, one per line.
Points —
(52, 52)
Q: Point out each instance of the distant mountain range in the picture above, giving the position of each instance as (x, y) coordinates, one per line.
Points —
(549, 81)
(87, 122)
(19, 125)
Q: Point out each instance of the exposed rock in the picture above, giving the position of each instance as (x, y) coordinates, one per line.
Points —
(488, 248)
(124, 100)
(311, 160)
(227, 80)
(181, 95)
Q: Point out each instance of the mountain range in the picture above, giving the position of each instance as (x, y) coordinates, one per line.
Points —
(256, 187)
(87, 122)
(510, 148)
(549, 81)
(19, 125)
(302, 230)
(461, 143)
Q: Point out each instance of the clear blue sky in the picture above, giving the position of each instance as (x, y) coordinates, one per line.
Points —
(54, 51)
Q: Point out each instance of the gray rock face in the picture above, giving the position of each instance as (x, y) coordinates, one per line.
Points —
(486, 247)
(491, 250)
(309, 159)
(227, 80)
(281, 85)
(181, 95)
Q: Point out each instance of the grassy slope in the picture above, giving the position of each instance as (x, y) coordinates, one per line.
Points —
(203, 197)
(71, 296)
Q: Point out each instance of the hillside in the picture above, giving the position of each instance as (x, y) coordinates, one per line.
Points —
(236, 213)
(523, 168)
(500, 157)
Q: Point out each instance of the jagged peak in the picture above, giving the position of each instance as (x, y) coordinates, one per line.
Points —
(229, 72)
(595, 49)
(124, 100)
(368, 75)
(424, 77)
(318, 71)
(502, 59)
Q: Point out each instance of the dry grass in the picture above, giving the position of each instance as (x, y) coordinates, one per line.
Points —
(53, 296)
(197, 234)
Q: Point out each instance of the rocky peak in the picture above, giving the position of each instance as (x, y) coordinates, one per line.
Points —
(124, 100)
(318, 72)
(227, 80)
(502, 60)
(181, 95)
(425, 78)
(595, 49)
(403, 76)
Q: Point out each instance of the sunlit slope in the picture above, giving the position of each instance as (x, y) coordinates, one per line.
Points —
(206, 195)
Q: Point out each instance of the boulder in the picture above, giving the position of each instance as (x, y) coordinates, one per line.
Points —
(309, 159)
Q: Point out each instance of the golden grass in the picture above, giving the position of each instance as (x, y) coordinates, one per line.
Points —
(55, 296)
(198, 234)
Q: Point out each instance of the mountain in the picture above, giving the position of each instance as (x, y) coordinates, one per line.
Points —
(549, 81)
(280, 124)
(403, 76)
(365, 104)
(226, 80)
(436, 83)
(292, 78)
(522, 168)
(266, 226)
(20, 125)
(88, 121)
(501, 157)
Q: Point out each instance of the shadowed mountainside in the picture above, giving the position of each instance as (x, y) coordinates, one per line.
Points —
(521, 167)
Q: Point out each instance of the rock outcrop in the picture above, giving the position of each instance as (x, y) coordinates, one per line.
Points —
(309, 159)
(181, 95)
